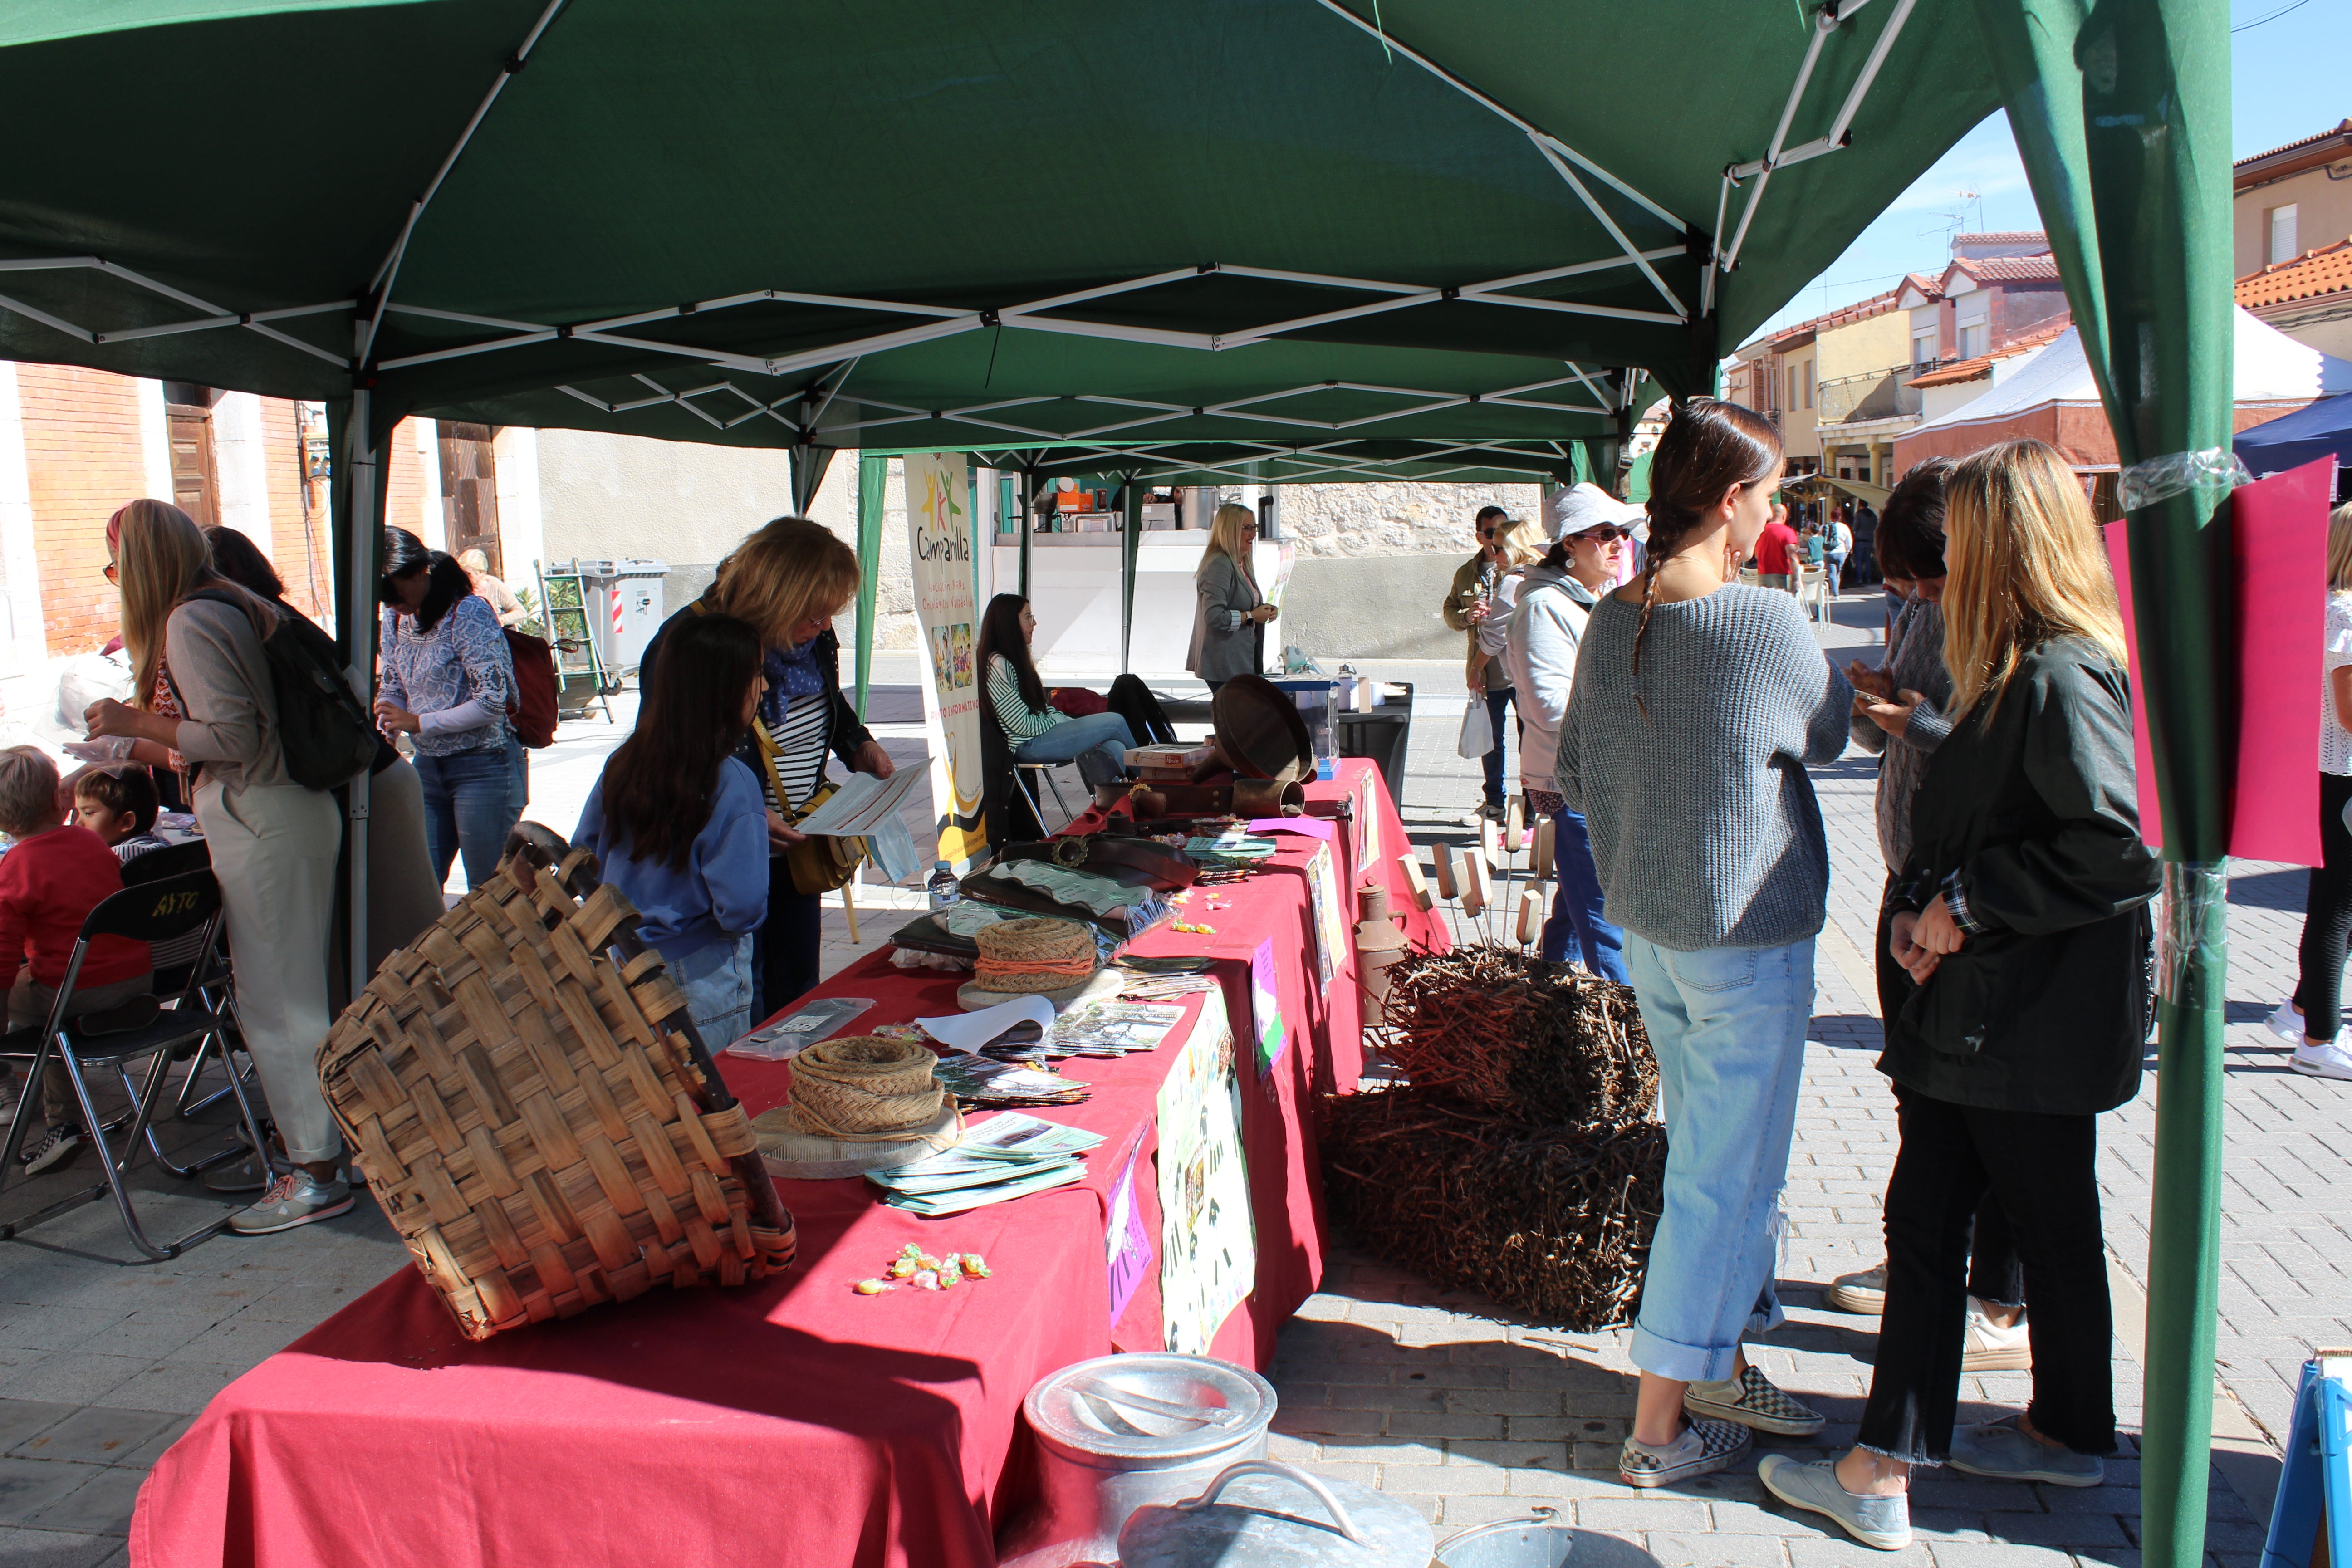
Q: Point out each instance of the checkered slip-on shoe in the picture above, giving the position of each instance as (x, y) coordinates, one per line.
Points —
(1752, 1401)
(1703, 1446)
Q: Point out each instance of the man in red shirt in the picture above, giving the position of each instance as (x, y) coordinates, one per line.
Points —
(51, 877)
(1775, 552)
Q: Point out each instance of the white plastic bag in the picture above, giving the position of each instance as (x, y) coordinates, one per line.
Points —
(1477, 730)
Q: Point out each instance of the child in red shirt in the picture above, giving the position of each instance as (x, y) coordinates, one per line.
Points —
(52, 876)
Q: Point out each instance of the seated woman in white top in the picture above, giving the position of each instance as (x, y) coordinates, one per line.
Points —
(1014, 698)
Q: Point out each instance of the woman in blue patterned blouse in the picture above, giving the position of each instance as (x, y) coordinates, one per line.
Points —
(447, 680)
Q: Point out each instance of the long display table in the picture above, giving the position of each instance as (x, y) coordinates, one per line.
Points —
(794, 1421)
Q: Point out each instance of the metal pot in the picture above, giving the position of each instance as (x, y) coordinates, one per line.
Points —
(1280, 1517)
(1264, 798)
(1121, 1431)
(1540, 1542)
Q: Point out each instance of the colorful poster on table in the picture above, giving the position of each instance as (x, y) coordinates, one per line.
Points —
(1208, 1242)
(1265, 1008)
(1330, 924)
(939, 553)
(1126, 1248)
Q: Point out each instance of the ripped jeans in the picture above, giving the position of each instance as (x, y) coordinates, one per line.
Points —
(1727, 1025)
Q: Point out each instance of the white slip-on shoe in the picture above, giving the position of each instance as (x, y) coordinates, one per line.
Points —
(1884, 1522)
(1864, 1293)
(1701, 1449)
(2285, 1022)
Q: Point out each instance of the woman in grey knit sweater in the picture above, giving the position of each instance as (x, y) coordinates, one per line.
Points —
(1698, 704)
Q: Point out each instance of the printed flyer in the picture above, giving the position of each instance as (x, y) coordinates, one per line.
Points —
(1208, 1242)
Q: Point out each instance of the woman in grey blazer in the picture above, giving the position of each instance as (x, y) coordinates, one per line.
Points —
(1229, 622)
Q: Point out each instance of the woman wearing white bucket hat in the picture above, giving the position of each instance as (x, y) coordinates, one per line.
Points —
(1586, 527)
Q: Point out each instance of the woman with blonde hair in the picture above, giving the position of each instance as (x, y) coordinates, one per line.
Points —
(789, 579)
(2022, 924)
(205, 694)
(1229, 619)
(2312, 1018)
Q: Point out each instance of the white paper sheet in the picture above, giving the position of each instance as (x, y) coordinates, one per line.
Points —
(969, 1031)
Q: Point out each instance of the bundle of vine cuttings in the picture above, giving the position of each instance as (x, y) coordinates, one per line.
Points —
(1519, 1157)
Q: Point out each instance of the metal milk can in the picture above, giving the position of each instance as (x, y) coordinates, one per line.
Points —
(1121, 1431)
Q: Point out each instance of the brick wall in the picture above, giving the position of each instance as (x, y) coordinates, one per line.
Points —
(404, 506)
(83, 459)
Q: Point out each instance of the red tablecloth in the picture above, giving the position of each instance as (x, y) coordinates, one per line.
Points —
(794, 1421)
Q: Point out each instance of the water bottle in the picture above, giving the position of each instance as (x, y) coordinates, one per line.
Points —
(942, 888)
(1325, 748)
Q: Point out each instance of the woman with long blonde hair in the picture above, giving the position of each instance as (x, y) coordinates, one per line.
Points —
(788, 580)
(206, 703)
(2021, 925)
(1230, 615)
(2312, 1019)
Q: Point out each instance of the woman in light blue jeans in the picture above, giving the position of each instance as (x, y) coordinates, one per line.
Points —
(1015, 698)
(1698, 704)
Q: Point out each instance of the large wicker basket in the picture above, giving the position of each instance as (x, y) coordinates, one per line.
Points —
(543, 1125)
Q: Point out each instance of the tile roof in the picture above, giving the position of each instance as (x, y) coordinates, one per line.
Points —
(1861, 311)
(1970, 369)
(2002, 237)
(2326, 271)
(2338, 130)
(2042, 269)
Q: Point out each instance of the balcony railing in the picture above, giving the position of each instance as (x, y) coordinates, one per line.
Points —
(1874, 395)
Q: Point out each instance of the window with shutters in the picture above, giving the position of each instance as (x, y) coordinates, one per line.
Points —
(2283, 233)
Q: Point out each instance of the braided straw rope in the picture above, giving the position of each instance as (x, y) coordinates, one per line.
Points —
(1034, 955)
(865, 1088)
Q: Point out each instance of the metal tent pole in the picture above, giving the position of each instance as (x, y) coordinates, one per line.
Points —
(355, 501)
(873, 474)
(1132, 493)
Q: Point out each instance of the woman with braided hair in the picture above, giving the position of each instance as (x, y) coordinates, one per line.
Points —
(1697, 706)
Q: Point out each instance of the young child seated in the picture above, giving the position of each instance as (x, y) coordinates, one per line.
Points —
(119, 805)
(54, 874)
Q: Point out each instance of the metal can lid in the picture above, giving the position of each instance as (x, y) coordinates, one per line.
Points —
(1149, 1408)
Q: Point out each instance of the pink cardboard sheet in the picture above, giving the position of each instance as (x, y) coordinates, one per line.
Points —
(2279, 559)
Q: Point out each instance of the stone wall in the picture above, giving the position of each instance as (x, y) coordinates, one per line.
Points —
(1393, 519)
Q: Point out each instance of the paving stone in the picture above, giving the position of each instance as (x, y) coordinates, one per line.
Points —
(100, 1505)
(77, 1376)
(175, 1386)
(21, 1418)
(28, 1486)
(97, 1434)
(1445, 1480)
(57, 1549)
(1675, 1550)
(1654, 1511)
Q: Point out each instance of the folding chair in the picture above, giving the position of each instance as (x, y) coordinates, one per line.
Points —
(1046, 771)
(150, 912)
(155, 866)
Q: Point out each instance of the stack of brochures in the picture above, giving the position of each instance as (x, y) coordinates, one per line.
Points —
(1008, 1156)
(1113, 1028)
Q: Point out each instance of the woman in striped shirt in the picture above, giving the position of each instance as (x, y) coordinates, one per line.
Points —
(1016, 699)
(788, 580)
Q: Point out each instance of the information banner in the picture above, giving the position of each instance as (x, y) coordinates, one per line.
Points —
(1208, 1243)
(939, 550)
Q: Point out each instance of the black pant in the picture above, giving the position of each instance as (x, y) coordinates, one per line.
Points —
(1499, 703)
(2327, 916)
(784, 958)
(2042, 1169)
(1994, 1273)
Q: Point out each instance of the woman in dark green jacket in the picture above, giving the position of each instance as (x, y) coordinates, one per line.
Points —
(2024, 932)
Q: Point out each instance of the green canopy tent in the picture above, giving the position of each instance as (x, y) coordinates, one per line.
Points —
(932, 226)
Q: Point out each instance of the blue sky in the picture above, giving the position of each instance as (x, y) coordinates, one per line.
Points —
(2288, 80)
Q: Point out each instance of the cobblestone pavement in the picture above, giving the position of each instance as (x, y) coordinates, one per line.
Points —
(1431, 1394)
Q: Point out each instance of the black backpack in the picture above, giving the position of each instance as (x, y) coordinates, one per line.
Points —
(326, 732)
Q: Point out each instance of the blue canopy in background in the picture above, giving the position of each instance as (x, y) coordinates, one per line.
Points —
(2323, 429)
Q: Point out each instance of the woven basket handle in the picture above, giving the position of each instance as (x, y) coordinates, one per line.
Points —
(544, 848)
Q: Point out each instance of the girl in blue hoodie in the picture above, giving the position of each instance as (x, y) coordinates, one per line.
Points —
(679, 824)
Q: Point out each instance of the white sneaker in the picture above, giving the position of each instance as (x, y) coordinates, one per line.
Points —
(2286, 1023)
(2329, 1060)
(1989, 1347)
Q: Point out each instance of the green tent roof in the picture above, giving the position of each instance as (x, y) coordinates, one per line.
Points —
(933, 224)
